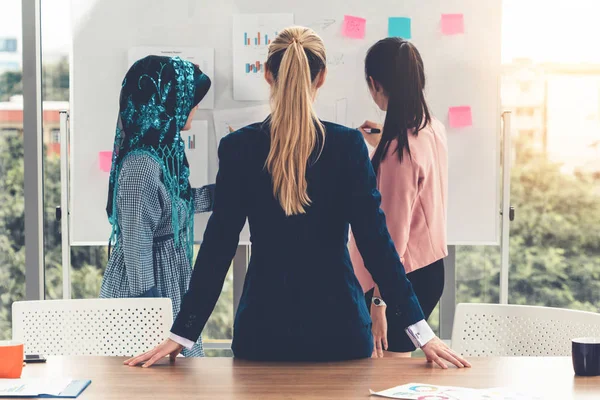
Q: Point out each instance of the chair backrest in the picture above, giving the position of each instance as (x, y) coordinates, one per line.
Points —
(492, 330)
(94, 327)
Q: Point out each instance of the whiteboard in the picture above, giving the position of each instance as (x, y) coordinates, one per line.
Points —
(461, 70)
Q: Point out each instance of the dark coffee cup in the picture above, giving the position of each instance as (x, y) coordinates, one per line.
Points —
(586, 356)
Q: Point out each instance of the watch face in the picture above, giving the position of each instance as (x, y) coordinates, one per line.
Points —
(377, 302)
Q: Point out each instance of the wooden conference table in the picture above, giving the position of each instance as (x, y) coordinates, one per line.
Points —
(226, 378)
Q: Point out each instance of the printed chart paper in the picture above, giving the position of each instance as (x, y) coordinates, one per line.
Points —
(252, 34)
(227, 121)
(418, 391)
(196, 151)
(32, 387)
(506, 394)
(203, 57)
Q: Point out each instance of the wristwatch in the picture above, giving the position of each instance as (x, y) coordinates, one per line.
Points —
(378, 301)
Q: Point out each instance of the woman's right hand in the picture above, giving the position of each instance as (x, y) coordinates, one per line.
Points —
(166, 348)
(438, 352)
(371, 138)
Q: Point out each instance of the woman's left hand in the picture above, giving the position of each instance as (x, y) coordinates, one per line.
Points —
(166, 348)
(379, 330)
(436, 351)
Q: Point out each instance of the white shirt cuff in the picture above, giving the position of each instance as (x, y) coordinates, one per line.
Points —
(187, 343)
(420, 333)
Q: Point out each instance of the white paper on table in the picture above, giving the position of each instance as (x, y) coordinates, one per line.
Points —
(203, 57)
(416, 391)
(251, 35)
(230, 120)
(33, 387)
(507, 394)
(196, 151)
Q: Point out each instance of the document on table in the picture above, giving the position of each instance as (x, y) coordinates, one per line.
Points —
(33, 387)
(418, 391)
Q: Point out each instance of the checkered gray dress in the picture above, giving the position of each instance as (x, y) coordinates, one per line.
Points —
(145, 260)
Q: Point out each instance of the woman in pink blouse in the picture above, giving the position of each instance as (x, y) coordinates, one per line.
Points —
(410, 159)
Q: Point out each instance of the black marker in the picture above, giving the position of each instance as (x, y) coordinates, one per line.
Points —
(369, 130)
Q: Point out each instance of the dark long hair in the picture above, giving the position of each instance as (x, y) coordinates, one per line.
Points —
(397, 67)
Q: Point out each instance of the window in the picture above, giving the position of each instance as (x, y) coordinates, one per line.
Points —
(525, 111)
(8, 45)
(9, 65)
(554, 243)
(88, 262)
(55, 136)
(477, 274)
(555, 247)
(527, 133)
(12, 241)
(219, 328)
(525, 86)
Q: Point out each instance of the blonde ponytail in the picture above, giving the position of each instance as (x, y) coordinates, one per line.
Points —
(295, 128)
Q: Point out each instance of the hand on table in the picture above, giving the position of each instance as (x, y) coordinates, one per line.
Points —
(436, 351)
(168, 347)
(379, 330)
(371, 138)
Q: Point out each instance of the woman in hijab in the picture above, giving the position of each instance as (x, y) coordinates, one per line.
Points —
(151, 204)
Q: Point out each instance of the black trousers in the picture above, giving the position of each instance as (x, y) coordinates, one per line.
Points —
(428, 284)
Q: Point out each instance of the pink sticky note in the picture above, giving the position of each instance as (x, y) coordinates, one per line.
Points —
(460, 117)
(354, 27)
(105, 160)
(453, 24)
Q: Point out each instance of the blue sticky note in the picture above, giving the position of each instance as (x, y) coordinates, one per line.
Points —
(399, 27)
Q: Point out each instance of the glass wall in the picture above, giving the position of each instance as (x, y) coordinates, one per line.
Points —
(553, 88)
(87, 262)
(55, 97)
(477, 274)
(12, 236)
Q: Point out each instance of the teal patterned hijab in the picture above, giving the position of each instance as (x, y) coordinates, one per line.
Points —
(157, 96)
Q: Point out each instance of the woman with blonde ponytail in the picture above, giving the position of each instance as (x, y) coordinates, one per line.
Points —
(300, 182)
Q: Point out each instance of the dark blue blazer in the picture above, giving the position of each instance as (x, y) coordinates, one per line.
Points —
(301, 299)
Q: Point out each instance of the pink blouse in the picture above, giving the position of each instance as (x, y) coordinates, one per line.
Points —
(414, 199)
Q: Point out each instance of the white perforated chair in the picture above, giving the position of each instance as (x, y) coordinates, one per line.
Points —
(494, 330)
(94, 327)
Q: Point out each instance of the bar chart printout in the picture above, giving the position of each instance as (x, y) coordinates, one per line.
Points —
(254, 67)
(259, 39)
(196, 152)
(191, 142)
(252, 34)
